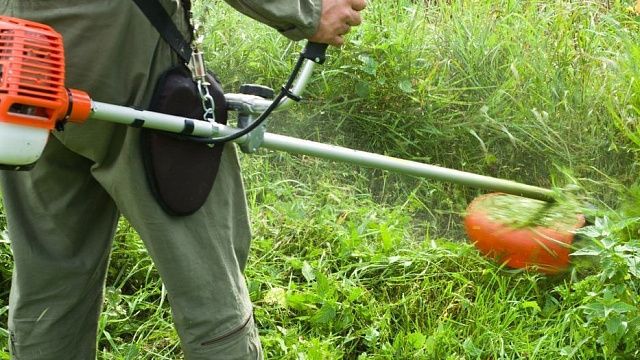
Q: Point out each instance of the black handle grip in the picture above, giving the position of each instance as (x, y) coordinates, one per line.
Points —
(315, 52)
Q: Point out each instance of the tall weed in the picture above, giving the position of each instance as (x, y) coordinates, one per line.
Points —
(504, 88)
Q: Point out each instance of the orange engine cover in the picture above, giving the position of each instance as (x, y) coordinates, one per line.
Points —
(32, 91)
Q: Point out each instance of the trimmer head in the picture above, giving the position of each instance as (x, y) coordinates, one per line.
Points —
(523, 233)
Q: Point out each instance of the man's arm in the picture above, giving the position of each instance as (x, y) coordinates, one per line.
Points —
(324, 21)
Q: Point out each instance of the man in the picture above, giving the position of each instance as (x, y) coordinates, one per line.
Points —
(62, 214)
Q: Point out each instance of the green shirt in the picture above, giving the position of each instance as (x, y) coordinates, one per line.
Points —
(295, 19)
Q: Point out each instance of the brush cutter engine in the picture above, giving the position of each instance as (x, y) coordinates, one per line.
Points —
(33, 98)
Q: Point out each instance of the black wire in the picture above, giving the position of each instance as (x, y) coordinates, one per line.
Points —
(283, 92)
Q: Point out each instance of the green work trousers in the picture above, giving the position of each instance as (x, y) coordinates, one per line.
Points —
(63, 213)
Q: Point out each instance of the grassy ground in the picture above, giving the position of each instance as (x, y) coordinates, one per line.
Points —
(357, 264)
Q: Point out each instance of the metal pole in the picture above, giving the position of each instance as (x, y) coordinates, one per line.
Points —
(176, 124)
(407, 167)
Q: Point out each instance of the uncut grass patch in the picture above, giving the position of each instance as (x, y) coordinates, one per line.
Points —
(506, 88)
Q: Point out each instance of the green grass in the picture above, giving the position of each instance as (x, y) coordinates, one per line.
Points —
(350, 263)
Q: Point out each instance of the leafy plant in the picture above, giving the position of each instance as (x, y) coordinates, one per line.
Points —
(612, 307)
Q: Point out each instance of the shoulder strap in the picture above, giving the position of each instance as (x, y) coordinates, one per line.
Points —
(161, 20)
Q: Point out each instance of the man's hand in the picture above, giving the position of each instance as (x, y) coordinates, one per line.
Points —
(337, 18)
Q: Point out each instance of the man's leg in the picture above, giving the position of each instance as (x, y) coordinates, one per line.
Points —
(114, 53)
(200, 257)
(61, 223)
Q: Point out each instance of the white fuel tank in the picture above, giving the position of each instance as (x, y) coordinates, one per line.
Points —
(20, 146)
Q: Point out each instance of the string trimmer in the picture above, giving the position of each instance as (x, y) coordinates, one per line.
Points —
(34, 101)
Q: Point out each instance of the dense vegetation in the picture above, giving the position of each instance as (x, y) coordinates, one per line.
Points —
(359, 264)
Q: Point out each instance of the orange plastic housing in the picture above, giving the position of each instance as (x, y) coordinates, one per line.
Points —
(545, 249)
(32, 91)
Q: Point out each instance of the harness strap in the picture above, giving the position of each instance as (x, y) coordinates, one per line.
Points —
(161, 20)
